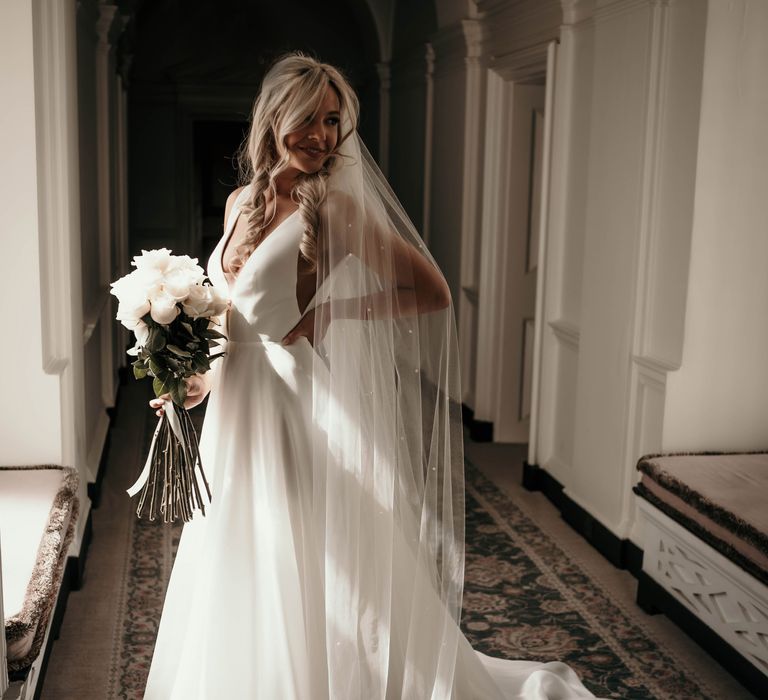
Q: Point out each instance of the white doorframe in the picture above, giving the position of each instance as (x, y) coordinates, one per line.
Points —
(546, 161)
(492, 249)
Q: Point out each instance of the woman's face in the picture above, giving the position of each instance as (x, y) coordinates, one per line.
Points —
(309, 146)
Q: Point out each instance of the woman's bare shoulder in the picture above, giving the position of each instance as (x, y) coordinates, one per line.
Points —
(231, 201)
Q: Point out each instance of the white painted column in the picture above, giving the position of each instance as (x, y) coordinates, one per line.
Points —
(645, 103)
(108, 28)
(453, 200)
(471, 204)
(561, 313)
(542, 253)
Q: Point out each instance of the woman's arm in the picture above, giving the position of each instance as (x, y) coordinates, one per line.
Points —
(418, 286)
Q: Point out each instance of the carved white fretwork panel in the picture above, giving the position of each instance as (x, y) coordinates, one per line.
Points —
(728, 599)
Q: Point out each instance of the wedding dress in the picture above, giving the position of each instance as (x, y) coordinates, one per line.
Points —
(252, 602)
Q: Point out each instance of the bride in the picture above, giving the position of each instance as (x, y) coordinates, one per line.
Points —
(330, 562)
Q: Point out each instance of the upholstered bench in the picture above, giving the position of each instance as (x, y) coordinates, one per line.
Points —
(38, 513)
(705, 556)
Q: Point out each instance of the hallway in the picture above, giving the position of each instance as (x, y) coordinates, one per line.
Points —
(107, 637)
(590, 177)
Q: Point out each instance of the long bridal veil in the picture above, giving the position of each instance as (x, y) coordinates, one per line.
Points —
(388, 462)
(388, 483)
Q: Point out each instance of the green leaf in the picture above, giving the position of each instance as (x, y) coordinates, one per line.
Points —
(159, 386)
(173, 364)
(155, 367)
(139, 372)
(211, 333)
(178, 351)
(178, 391)
(157, 339)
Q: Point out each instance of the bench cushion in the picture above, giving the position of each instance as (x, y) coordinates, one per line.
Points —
(38, 513)
(720, 497)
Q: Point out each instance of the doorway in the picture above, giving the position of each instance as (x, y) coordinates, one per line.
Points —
(215, 145)
(515, 176)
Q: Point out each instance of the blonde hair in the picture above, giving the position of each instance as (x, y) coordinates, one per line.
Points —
(291, 93)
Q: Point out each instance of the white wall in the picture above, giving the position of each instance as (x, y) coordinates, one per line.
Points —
(55, 381)
(641, 165)
(627, 102)
(718, 399)
(30, 413)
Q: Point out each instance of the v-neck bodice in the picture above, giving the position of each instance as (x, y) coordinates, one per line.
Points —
(263, 295)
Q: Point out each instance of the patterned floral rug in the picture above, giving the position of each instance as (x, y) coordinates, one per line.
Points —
(524, 599)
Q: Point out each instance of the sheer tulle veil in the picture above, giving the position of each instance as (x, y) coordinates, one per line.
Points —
(388, 484)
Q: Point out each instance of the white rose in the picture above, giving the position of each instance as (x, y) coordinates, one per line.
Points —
(163, 308)
(153, 260)
(177, 282)
(125, 286)
(196, 303)
(137, 284)
(219, 303)
(204, 301)
(189, 265)
(141, 331)
(132, 307)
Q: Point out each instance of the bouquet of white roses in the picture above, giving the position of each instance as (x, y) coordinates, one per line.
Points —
(172, 311)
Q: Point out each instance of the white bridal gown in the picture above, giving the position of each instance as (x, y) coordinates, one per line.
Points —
(244, 615)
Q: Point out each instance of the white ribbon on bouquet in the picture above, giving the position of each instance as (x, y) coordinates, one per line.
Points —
(173, 419)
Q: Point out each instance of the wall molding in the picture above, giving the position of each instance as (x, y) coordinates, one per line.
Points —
(93, 316)
(529, 63)
(655, 364)
(608, 10)
(566, 332)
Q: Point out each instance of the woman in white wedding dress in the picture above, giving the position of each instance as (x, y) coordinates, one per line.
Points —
(329, 564)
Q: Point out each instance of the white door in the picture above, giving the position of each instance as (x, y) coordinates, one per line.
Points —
(513, 183)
